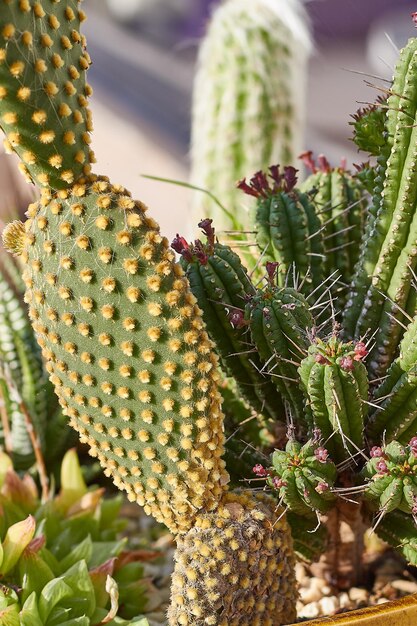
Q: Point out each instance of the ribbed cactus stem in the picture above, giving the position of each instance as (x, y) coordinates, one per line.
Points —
(249, 99)
(399, 530)
(222, 287)
(340, 205)
(336, 384)
(384, 276)
(395, 416)
(288, 230)
(280, 320)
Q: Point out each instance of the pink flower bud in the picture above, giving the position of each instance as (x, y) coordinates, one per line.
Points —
(320, 358)
(382, 467)
(360, 351)
(321, 454)
(346, 363)
(322, 487)
(413, 442)
(376, 452)
(260, 471)
(277, 482)
(237, 318)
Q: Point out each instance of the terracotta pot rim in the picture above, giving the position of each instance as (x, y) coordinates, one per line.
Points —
(401, 612)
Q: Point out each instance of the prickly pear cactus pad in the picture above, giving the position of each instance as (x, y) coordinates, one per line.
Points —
(126, 347)
(43, 89)
(245, 545)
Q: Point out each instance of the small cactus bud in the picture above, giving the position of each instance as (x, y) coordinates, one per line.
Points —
(376, 452)
(321, 455)
(277, 482)
(382, 467)
(360, 351)
(346, 363)
(260, 471)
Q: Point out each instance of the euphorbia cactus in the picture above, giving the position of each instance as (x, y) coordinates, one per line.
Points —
(249, 99)
(123, 337)
(347, 377)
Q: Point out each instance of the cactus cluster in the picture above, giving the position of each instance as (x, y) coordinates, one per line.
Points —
(124, 340)
(140, 347)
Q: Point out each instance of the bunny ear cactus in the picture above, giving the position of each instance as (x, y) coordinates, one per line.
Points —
(122, 334)
(43, 97)
(248, 92)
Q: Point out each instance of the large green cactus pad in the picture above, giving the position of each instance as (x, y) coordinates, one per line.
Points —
(126, 347)
(43, 90)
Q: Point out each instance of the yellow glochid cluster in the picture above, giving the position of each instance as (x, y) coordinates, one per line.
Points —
(126, 347)
(235, 567)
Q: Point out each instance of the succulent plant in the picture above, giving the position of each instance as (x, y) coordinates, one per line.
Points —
(249, 100)
(124, 341)
(343, 346)
(139, 347)
(62, 560)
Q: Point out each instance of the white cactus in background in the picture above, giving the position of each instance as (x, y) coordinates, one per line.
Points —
(249, 100)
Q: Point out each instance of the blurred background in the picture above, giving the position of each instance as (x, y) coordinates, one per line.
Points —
(144, 54)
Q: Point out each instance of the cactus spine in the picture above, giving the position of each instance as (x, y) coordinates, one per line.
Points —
(124, 339)
(249, 91)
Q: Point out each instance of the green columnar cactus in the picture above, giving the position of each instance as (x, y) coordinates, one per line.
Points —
(288, 230)
(340, 203)
(395, 413)
(336, 386)
(124, 339)
(304, 476)
(382, 283)
(392, 477)
(248, 99)
(222, 286)
(280, 320)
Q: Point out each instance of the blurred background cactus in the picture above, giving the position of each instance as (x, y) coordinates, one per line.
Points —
(249, 100)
